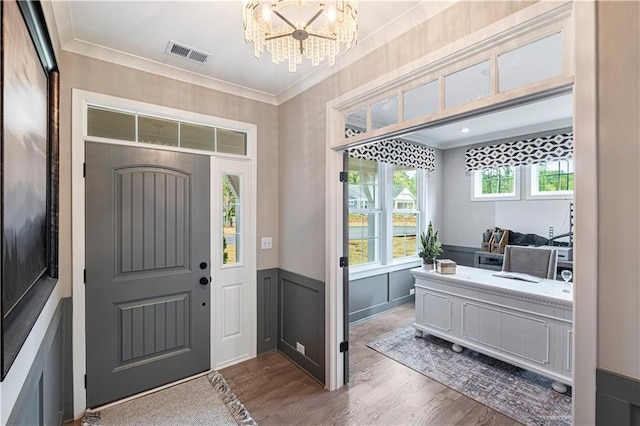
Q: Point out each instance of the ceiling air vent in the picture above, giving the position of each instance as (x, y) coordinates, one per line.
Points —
(183, 51)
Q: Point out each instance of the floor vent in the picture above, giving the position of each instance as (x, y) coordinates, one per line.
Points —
(183, 51)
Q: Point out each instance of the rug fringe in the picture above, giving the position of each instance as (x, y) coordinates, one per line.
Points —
(236, 408)
(91, 418)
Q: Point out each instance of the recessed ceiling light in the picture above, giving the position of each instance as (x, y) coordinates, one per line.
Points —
(465, 130)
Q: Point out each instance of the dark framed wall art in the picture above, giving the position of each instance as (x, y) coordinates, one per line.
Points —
(29, 191)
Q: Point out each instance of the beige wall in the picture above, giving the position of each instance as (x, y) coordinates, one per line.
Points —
(98, 76)
(302, 126)
(618, 187)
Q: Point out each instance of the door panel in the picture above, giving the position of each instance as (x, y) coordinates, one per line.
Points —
(151, 328)
(232, 305)
(147, 231)
(156, 203)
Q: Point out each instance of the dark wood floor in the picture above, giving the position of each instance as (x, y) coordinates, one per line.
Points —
(381, 391)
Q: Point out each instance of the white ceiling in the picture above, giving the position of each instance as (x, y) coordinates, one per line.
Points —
(548, 114)
(136, 34)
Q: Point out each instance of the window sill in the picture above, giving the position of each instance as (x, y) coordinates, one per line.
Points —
(365, 271)
(556, 196)
(497, 198)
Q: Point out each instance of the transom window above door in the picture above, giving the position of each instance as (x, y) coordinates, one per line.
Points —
(508, 68)
(130, 126)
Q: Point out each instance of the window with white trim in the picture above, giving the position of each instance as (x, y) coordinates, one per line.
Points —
(544, 180)
(405, 212)
(364, 211)
(498, 183)
(385, 215)
(551, 179)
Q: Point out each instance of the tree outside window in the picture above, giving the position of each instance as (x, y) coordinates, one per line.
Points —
(499, 183)
(500, 180)
(554, 176)
(364, 214)
(230, 215)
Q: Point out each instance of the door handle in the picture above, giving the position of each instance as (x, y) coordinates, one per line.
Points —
(204, 281)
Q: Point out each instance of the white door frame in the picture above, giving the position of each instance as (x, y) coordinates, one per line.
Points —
(80, 100)
(585, 298)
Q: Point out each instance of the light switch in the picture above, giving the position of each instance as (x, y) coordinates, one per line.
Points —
(266, 243)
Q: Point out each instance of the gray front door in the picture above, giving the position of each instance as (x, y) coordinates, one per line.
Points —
(147, 269)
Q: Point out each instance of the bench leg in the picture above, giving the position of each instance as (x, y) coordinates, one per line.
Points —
(559, 387)
(457, 348)
(419, 333)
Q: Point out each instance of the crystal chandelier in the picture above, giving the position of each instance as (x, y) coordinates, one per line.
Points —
(293, 29)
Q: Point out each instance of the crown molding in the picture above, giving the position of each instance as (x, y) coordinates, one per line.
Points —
(68, 42)
(142, 64)
(404, 23)
(59, 17)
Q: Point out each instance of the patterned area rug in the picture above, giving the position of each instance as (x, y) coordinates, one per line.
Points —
(520, 394)
(207, 400)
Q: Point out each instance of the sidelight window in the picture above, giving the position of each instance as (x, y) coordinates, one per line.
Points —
(231, 211)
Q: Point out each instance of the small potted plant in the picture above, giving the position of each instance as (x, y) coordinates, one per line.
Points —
(430, 248)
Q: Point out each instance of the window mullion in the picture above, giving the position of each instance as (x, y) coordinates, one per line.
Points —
(386, 234)
(423, 196)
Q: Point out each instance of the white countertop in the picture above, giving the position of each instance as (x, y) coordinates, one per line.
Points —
(546, 289)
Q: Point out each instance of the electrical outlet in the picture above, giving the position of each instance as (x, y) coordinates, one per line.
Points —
(300, 348)
(412, 291)
(266, 243)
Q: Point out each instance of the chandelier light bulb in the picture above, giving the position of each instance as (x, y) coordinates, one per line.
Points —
(266, 12)
(331, 14)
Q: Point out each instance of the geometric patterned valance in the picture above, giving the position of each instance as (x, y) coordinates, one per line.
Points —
(394, 151)
(529, 151)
